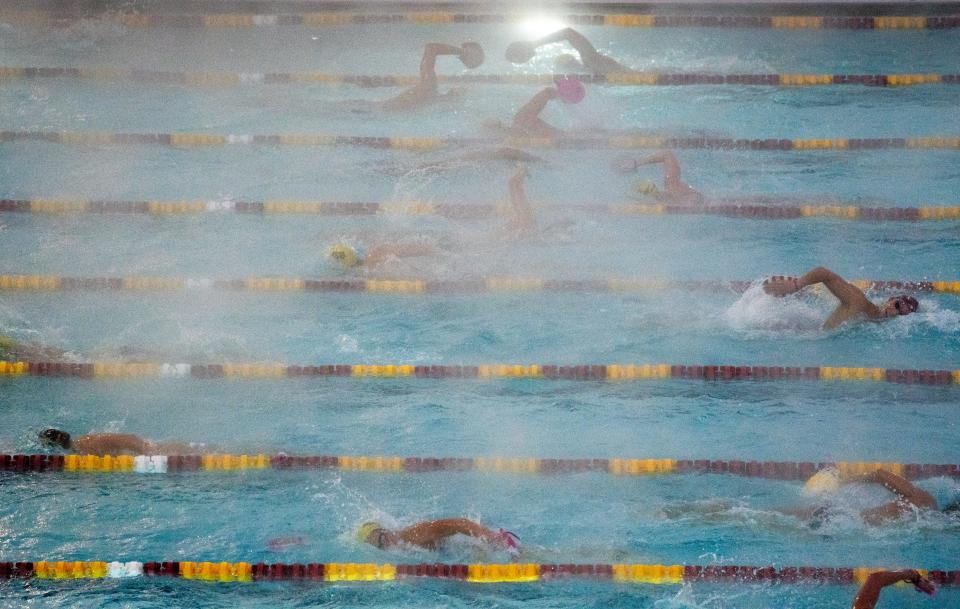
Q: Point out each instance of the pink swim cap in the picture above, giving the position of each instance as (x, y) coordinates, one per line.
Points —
(570, 90)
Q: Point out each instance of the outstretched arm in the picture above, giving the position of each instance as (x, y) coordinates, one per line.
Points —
(671, 166)
(380, 252)
(430, 534)
(869, 593)
(111, 444)
(577, 40)
(848, 294)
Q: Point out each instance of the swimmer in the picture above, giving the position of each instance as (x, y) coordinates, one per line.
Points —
(115, 444)
(590, 58)
(869, 592)
(854, 305)
(426, 91)
(349, 256)
(909, 498)
(527, 121)
(675, 190)
(432, 533)
(14, 350)
(522, 222)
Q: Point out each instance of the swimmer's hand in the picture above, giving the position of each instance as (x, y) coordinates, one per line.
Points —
(922, 584)
(625, 165)
(781, 286)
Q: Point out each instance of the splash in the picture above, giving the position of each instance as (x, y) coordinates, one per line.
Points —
(756, 314)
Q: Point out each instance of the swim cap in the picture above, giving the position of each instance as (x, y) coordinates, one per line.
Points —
(345, 255)
(570, 90)
(55, 436)
(646, 187)
(826, 480)
(365, 529)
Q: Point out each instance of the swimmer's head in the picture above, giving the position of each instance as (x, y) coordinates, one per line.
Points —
(375, 535)
(55, 437)
(520, 52)
(900, 305)
(471, 54)
(646, 187)
(570, 90)
(565, 62)
(953, 508)
(345, 255)
(826, 480)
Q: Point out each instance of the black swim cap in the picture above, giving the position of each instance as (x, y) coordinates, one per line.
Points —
(55, 436)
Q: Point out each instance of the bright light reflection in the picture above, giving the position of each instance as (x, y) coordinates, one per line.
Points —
(540, 25)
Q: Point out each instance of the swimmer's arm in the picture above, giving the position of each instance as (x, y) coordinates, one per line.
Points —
(518, 197)
(903, 488)
(848, 294)
(671, 166)
(869, 593)
(379, 253)
(428, 64)
(429, 534)
(577, 40)
(111, 444)
(530, 112)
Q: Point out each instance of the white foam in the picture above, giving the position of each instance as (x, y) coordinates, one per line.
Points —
(759, 314)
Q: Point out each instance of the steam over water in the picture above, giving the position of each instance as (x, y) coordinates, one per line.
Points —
(590, 517)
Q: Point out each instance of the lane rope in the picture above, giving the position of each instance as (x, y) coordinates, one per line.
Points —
(334, 18)
(164, 464)
(594, 372)
(49, 283)
(726, 207)
(619, 142)
(630, 79)
(474, 573)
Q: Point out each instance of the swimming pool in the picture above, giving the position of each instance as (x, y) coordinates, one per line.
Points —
(513, 317)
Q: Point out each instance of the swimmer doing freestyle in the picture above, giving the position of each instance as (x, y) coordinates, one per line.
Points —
(431, 534)
(426, 90)
(115, 444)
(909, 498)
(854, 305)
(675, 190)
(591, 59)
(521, 223)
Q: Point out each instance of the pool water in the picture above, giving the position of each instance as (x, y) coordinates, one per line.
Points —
(703, 519)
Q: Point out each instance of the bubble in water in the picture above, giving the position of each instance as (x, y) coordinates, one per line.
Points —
(347, 344)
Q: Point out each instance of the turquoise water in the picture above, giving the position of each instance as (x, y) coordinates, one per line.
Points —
(694, 519)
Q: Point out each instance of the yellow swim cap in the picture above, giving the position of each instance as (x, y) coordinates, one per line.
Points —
(365, 529)
(344, 254)
(646, 187)
(826, 480)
